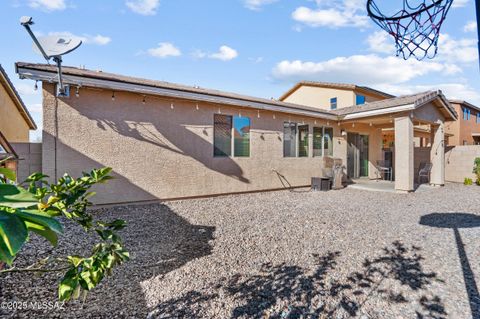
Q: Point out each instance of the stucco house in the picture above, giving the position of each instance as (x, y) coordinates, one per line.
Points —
(15, 121)
(466, 130)
(167, 141)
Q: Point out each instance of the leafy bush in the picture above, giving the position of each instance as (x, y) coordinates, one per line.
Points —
(38, 207)
(468, 181)
(476, 170)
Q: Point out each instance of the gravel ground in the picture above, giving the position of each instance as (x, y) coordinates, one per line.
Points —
(280, 255)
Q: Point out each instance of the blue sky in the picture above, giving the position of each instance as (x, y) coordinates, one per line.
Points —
(254, 47)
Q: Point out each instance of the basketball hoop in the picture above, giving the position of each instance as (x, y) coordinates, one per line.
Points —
(416, 29)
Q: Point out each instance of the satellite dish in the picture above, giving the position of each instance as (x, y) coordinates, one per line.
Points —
(57, 46)
(52, 47)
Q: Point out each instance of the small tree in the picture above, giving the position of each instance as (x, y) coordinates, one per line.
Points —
(476, 170)
(38, 207)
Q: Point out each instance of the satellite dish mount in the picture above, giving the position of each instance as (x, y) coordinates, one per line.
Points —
(52, 48)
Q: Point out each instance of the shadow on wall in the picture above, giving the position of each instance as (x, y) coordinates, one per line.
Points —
(456, 221)
(290, 291)
(154, 125)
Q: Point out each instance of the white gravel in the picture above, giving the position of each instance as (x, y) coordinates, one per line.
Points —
(280, 255)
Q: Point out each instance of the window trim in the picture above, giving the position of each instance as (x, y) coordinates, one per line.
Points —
(323, 140)
(333, 101)
(232, 137)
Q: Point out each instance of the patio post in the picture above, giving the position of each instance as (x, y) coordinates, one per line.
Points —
(437, 155)
(404, 148)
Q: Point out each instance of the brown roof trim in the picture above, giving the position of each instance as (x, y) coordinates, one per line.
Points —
(6, 145)
(461, 102)
(12, 92)
(339, 86)
(104, 76)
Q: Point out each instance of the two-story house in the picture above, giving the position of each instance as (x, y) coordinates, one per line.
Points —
(466, 130)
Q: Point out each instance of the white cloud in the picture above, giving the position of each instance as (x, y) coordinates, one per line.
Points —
(457, 51)
(459, 91)
(364, 69)
(225, 53)
(143, 7)
(257, 4)
(27, 89)
(381, 42)
(333, 14)
(86, 38)
(471, 26)
(48, 5)
(164, 49)
(35, 108)
(459, 3)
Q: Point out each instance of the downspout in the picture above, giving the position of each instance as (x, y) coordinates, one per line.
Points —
(56, 134)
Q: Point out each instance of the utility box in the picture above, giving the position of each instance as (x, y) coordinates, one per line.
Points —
(321, 184)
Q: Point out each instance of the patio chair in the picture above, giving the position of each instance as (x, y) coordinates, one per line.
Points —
(384, 167)
(425, 169)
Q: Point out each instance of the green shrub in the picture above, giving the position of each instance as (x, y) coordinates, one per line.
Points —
(468, 181)
(476, 170)
(37, 208)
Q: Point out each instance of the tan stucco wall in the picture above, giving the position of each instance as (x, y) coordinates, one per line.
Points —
(453, 127)
(160, 152)
(320, 97)
(12, 124)
(459, 162)
(31, 159)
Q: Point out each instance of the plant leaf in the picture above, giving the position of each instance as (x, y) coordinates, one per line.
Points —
(13, 232)
(8, 173)
(43, 231)
(15, 196)
(41, 218)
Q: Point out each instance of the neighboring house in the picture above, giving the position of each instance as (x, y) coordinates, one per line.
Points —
(332, 96)
(167, 141)
(15, 120)
(466, 130)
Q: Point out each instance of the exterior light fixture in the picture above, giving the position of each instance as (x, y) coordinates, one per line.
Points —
(258, 113)
(172, 106)
(196, 106)
(274, 116)
(144, 100)
(113, 96)
(353, 124)
(36, 86)
(77, 92)
(343, 132)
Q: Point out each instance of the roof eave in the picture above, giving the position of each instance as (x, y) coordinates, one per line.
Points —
(12, 92)
(26, 72)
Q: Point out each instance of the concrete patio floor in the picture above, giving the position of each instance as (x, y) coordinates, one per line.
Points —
(383, 186)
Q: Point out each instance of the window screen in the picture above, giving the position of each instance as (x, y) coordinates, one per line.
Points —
(241, 136)
(289, 139)
(303, 141)
(222, 131)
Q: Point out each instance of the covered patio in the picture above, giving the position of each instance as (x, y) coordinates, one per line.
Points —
(406, 118)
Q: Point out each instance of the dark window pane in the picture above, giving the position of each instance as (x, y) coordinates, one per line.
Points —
(303, 140)
(317, 141)
(333, 103)
(241, 136)
(328, 141)
(289, 139)
(222, 131)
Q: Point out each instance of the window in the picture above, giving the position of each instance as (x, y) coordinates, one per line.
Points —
(466, 113)
(241, 135)
(360, 99)
(303, 141)
(223, 135)
(333, 103)
(322, 141)
(289, 139)
(478, 117)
